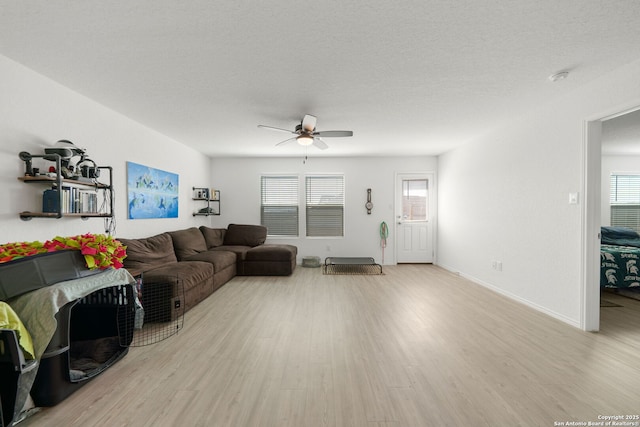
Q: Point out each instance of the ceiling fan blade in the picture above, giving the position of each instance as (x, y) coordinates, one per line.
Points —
(318, 143)
(309, 123)
(286, 140)
(333, 133)
(276, 129)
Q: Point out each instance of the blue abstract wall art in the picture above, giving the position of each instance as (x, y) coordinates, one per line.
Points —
(152, 193)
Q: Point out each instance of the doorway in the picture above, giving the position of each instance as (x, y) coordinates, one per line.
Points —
(415, 213)
(592, 218)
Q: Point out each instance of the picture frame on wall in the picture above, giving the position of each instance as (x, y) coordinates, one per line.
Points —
(151, 192)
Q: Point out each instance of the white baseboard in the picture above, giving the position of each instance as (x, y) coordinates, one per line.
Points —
(514, 297)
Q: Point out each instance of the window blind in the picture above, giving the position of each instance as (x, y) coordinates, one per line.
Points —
(279, 205)
(625, 201)
(325, 205)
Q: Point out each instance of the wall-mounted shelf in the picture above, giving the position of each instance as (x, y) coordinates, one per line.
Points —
(68, 197)
(212, 199)
(26, 215)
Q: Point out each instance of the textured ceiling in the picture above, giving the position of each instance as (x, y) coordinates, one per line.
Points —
(408, 77)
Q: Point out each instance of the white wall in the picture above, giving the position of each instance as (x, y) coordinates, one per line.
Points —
(505, 197)
(610, 164)
(35, 112)
(238, 179)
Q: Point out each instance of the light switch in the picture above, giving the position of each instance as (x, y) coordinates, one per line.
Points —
(573, 198)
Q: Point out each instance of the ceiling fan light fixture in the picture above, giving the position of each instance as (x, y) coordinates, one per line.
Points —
(305, 133)
(305, 139)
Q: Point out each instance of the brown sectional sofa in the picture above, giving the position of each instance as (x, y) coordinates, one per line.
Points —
(203, 259)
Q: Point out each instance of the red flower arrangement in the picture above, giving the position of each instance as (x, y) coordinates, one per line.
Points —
(99, 250)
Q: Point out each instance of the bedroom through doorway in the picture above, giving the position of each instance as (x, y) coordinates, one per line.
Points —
(612, 145)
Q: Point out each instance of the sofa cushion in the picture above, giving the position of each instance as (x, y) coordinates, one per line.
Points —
(190, 273)
(188, 242)
(272, 253)
(240, 251)
(245, 235)
(213, 236)
(219, 259)
(149, 252)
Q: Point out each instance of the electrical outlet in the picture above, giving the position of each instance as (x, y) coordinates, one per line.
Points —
(499, 265)
(494, 265)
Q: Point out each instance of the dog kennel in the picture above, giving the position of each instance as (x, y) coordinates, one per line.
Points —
(92, 334)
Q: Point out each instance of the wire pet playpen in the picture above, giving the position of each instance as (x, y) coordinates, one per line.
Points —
(159, 310)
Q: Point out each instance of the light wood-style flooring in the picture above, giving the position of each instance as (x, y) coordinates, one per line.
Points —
(417, 346)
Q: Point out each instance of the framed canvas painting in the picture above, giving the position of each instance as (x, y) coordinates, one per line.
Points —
(152, 193)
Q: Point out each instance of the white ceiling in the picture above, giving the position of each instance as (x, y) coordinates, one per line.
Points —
(414, 77)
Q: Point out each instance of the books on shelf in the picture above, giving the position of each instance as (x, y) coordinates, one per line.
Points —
(74, 200)
(201, 193)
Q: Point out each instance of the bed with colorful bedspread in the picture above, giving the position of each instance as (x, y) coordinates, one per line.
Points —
(619, 258)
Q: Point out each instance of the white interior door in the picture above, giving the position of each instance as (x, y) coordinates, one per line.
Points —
(414, 224)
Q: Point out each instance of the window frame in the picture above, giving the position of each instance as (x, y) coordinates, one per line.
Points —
(323, 208)
(294, 178)
(624, 197)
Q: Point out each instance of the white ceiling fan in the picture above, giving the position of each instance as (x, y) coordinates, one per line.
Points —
(306, 134)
